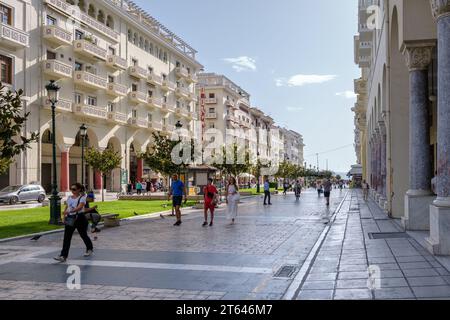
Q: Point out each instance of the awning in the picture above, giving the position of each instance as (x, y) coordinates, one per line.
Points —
(356, 170)
(246, 175)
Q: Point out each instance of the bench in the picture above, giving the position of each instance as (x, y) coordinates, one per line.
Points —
(111, 220)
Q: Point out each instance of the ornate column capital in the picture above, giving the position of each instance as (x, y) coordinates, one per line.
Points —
(418, 54)
(440, 8)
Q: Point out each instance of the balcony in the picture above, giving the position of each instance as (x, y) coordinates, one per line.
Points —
(192, 78)
(62, 105)
(211, 115)
(90, 80)
(58, 36)
(117, 90)
(182, 93)
(210, 100)
(230, 103)
(154, 102)
(13, 37)
(90, 111)
(117, 117)
(57, 69)
(168, 128)
(137, 72)
(167, 85)
(154, 79)
(231, 118)
(89, 49)
(75, 13)
(180, 112)
(137, 97)
(181, 72)
(155, 126)
(116, 62)
(138, 122)
(165, 108)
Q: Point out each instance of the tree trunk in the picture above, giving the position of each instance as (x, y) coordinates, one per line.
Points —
(103, 187)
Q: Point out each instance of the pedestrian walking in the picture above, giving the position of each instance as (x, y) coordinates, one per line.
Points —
(267, 192)
(327, 187)
(129, 187)
(298, 189)
(74, 218)
(177, 191)
(144, 187)
(233, 198)
(92, 214)
(365, 188)
(139, 188)
(285, 187)
(149, 187)
(210, 193)
(319, 189)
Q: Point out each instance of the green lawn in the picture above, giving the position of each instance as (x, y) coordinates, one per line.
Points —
(253, 191)
(27, 221)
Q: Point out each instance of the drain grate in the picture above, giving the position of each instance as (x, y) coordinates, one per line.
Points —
(389, 235)
(286, 271)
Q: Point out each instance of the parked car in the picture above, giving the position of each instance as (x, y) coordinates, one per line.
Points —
(23, 194)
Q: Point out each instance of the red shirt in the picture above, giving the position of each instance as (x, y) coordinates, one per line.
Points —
(210, 189)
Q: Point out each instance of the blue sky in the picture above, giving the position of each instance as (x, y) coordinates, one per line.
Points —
(295, 58)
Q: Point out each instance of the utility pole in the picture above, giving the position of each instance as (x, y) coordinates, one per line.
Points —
(317, 155)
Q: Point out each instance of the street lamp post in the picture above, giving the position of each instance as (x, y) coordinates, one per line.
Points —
(83, 134)
(178, 127)
(55, 200)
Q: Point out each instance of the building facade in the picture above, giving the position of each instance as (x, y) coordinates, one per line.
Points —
(402, 115)
(121, 72)
(293, 147)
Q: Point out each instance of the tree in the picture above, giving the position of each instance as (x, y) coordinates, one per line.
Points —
(12, 142)
(103, 162)
(234, 161)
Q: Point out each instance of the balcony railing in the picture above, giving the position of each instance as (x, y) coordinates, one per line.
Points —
(90, 111)
(58, 69)
(57, 35)
(167, 85)
(192, 78)
(117, 117)
(90, 80)
(231, 118)
(137, 97)
(13, 37)
(230, 103)
(182, 92)
(116, 62)
(211, 115)
(181, 72)
(137, 72)
(154, 79)
(116, 89)
(138, 122)
(74, 12)
(154, 102)
(210, 100)
(89, 49)
(165, 108)
(63, 105)
(157, 126)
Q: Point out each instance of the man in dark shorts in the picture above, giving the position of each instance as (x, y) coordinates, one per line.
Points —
(327, 186)
(177, 191)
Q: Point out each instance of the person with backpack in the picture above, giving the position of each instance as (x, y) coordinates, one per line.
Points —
(210, 193)
(92, 214)
(74, 218)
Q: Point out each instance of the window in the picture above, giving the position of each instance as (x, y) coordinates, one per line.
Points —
(178, 104)
(134, 113)
(78, 66)
(150, 93)
(110, 79)
(112, 51)
(150, 70)
(51, 21)
(6, 14)
(92, 101)
(135, 38)
(165, 99)
(178, 64)
(5, 69)
(212, 126)
(146, 45)
(78, 97)
(134, 62)
(130, 35)
(212, 110)
(151, 48)
(141, 42)
(51, 55)
(149, 117)
(134, 87)
(164, 76)
(110, 107)
(79, 35)
(212, 95)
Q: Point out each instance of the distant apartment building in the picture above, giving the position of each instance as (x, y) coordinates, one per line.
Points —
(121, 72)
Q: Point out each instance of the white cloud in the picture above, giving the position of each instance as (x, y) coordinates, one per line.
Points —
(243, 63)
(294, 109)
(300, 80)
(347, 94)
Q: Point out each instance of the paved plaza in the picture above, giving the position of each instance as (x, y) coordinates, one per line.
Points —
(291, 250)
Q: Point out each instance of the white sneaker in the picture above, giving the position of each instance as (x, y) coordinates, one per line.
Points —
(60, 259)
(88, 253)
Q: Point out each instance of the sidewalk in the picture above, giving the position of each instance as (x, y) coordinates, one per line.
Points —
(362, 239)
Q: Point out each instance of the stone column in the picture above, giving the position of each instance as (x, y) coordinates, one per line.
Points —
(439, 240)
(419, 196)
(382, 128)
(64, 171)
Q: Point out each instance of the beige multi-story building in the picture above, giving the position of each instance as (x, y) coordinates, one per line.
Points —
(293, 147)
(228, 111)
(403, 111)
(121, 72)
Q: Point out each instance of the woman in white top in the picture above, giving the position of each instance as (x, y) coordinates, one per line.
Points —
(233, 198)
(75, 211)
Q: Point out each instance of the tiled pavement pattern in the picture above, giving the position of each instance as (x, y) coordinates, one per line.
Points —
(340, 270)
(152, 259)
